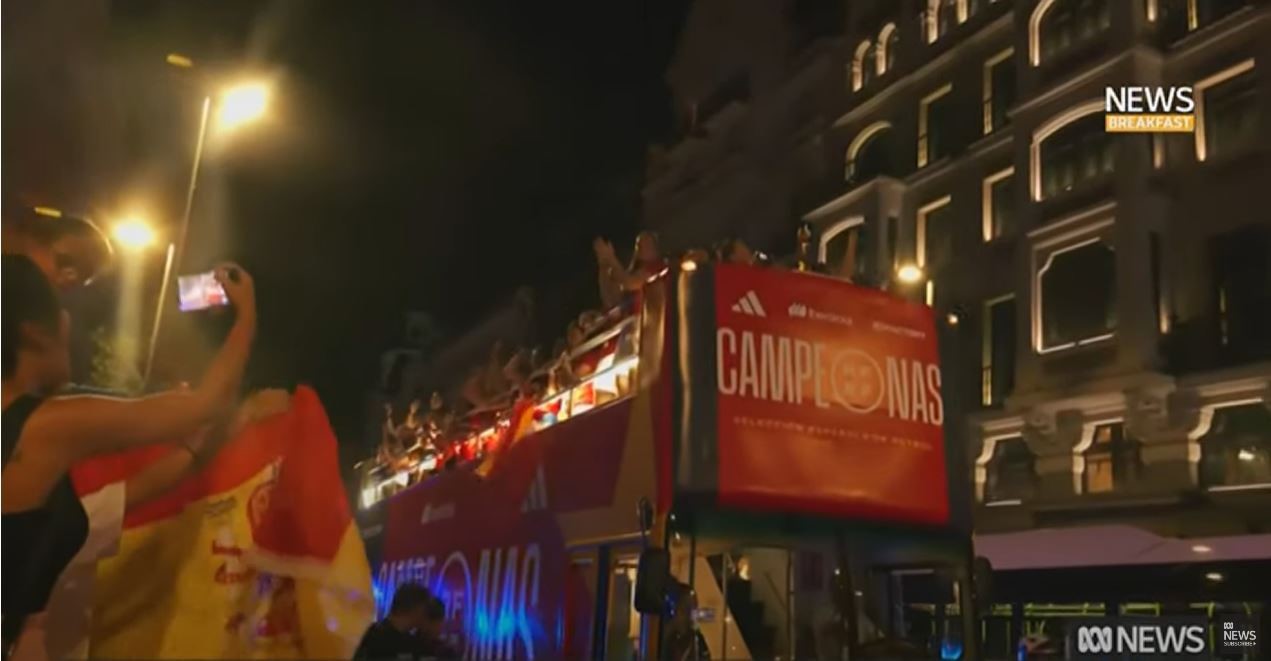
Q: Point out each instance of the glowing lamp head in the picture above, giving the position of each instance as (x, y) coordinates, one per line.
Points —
(243, 104)
(133, 234)
(909, 274)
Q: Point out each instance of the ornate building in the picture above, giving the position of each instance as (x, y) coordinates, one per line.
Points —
(1111, 292)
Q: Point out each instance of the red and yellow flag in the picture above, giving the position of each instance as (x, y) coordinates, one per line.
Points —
(258, 556)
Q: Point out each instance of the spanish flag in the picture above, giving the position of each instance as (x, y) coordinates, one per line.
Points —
(257, 556)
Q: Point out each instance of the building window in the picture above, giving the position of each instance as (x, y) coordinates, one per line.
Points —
(999, 204)
(935, 115)
(1227, 104)
(1076, 288)
(869, 154)
(935, 235)
(845, 249)
(998, 351)
(1012, 475)
(1241, 291)
(1111, 459)
(941, 16)
(1236, 450)
(1059, 25)
(888, 42)
(999, 90)
(1179, 17)
(863, 65)
(1079, 152)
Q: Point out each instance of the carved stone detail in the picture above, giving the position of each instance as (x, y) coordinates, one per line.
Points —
(1050, 434)
(1155, 416)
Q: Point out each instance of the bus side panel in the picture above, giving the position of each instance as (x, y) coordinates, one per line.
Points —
(493, 549)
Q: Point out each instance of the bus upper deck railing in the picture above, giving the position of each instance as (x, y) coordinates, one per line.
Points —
(600, 370)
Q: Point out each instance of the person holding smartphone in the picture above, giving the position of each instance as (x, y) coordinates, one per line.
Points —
(44, 435)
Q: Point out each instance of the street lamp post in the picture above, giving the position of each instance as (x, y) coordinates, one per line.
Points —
(176, 250)
(237, 105)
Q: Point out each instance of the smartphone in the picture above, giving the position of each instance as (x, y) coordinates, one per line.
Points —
(200, 292)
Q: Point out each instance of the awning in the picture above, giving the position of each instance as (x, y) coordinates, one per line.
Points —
(1112, 545)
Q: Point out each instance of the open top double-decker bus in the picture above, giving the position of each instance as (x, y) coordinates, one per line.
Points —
(776, 438)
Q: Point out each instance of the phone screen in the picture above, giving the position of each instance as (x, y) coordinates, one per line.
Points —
(200, 291)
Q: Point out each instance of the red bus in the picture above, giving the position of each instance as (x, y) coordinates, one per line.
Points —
(779, 437)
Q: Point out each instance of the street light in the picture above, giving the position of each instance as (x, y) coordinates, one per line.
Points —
(242, 104)
(910, 274)
(133, 234)
(237, 105)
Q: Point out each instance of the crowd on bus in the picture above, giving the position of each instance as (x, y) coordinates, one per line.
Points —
(422, 442)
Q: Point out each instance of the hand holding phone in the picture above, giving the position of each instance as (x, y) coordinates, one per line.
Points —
(200, 292)
(226, 284)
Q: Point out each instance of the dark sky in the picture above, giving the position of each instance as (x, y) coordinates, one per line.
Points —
(431, 156)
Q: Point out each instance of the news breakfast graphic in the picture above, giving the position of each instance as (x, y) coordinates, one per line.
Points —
(200, 291)
(1149, 109)
(1163, 638)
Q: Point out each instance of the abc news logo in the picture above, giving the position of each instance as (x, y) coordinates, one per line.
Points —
(1168, 637)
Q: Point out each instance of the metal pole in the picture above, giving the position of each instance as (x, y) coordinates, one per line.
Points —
(158, 312)
(177, 251)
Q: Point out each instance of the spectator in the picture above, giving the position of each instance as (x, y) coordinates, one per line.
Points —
(44, 436)
(70, 251)
(734, 251)
(615, 279)
(399, 635)
(431, 633)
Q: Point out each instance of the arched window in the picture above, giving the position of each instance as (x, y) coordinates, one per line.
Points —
(1080, 151)
(1058, 25)
(888, 41)
(861, 63)
(1112, 459)
(845, 248)
(869, 155)
(942, 15)
(1236, 450)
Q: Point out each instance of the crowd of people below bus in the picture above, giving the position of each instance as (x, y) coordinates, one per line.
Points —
(422, 442)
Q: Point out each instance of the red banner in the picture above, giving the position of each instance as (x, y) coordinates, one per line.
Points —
(829, 399)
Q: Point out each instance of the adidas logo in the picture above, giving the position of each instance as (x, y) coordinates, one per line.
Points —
(536, 499)
(749, 304)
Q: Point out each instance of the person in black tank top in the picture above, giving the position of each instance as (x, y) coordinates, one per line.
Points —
(43, 520)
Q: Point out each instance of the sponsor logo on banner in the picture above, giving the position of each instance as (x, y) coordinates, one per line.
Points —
(750, 305)
(1170, 637)
(434, 514)
(536, 498)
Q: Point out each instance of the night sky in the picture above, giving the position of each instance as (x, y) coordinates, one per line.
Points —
(430, 156)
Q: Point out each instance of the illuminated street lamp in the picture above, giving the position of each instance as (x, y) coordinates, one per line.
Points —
(133, 234)
(242, 104)
(235, 106)
(910, 274)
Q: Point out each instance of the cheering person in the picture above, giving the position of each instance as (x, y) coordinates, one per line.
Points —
(44, 435)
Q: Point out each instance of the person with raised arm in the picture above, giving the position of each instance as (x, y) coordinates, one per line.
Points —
(45, 435)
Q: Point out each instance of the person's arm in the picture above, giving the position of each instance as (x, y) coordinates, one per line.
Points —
(89, 425)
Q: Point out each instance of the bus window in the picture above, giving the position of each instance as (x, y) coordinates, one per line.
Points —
(580, 606)
(624, 628)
